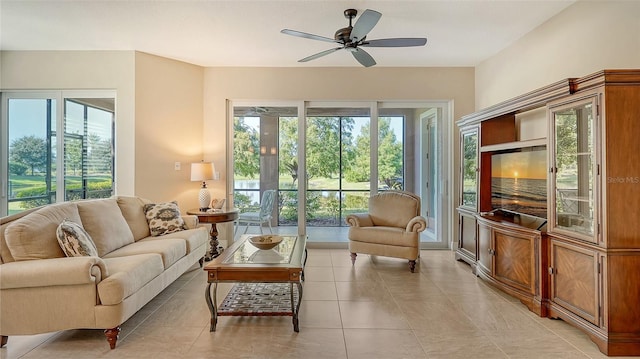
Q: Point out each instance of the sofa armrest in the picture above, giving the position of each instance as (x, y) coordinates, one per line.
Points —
(190, 221)
(52, 272)
(359, 220)
(416, 224)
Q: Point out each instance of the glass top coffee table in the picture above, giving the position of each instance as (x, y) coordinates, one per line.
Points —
(265, 279)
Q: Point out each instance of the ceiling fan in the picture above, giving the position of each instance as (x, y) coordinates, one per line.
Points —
(352, 38)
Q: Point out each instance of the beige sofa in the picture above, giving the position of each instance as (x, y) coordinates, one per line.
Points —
(391, 228)
(42, 290)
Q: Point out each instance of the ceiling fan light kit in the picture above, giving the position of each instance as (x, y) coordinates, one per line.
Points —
(353, 37)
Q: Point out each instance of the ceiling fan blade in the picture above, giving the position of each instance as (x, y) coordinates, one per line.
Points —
(363, 57)
(319, 54)
(397, 42)
(364, 24)
(306, 36)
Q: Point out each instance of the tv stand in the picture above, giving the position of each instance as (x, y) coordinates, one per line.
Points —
(510, 256)
(583, 265)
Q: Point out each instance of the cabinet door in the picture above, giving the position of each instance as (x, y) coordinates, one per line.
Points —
(574, 169)
(574, 280)
(469, 168)
(514, 262)
(485, 249)
(468, 243)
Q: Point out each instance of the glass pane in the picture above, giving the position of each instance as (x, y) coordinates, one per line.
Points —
(99, 156)
(390, 153)
(265, 151)
(88, 148)
(247, 253)
(288, 208)
(30, 160)
(246, 161)
(574, 169)
(338, 160)
(469, 169)
(323, 151)
(356, 156)
(288, 159)
(354, 202)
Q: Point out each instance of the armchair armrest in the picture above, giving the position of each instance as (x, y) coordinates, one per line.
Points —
(51, 272)
(416, 224)
(191, 221)
(359, 220)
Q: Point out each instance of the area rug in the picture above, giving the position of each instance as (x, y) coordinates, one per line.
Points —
(258, 299)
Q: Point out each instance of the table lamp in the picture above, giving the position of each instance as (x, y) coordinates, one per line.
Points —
(203, 171)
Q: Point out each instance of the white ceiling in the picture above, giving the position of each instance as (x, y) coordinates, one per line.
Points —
(247, 33)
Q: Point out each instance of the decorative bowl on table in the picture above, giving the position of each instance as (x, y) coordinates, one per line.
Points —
(265, 242)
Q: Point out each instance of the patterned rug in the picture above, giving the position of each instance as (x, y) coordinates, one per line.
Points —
(258, 299)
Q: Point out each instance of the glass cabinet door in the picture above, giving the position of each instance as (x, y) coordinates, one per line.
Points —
(574, 171)
(469, 168)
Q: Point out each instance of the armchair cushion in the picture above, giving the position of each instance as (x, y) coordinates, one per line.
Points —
(393, 209)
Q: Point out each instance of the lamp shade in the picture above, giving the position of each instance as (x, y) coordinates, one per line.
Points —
(202, 171)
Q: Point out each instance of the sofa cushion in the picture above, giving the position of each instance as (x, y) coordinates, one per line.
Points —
(170, 249)
(128, 275)
(194, 238)
(164, 218)
(34, 236)
(103, 220)
(133, 213)
(74, 240)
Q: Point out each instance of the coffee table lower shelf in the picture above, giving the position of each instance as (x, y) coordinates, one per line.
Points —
(258, 299)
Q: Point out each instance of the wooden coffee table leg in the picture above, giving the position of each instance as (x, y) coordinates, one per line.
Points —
(295, 307)
(213, 243)
(212, 304)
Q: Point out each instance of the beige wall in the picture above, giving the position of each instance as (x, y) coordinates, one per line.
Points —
(168, 126)
(325, 84)
(587, 37)
(74, 70)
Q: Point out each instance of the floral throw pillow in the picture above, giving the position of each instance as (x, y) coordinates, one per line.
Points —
(163, 218)
(74, 240)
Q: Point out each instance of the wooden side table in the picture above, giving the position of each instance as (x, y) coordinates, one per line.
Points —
(214, 217)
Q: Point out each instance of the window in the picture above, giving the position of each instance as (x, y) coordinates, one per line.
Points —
(35, 173)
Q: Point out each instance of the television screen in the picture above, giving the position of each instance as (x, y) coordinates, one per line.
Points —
(519, 181)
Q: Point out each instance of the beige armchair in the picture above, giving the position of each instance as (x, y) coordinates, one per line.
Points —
(390, 229)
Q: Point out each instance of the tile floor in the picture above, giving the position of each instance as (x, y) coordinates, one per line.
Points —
(375, 309)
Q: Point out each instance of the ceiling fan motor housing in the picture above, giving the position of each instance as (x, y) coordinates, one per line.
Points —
(344, 35)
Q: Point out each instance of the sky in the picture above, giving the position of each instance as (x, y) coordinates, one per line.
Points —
(526, 164)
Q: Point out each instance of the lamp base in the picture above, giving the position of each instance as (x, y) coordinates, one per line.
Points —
(204, 197)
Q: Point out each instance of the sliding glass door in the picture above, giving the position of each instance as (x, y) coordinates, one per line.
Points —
(350, 151)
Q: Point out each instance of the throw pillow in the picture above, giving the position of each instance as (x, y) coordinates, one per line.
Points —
(164, 218)
(74, 240)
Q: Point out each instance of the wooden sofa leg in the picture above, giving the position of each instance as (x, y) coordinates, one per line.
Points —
(112, 336)
(412, 265)
(353, 258)
(3, 340)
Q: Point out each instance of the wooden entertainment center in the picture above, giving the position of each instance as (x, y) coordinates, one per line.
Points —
(582, 262)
